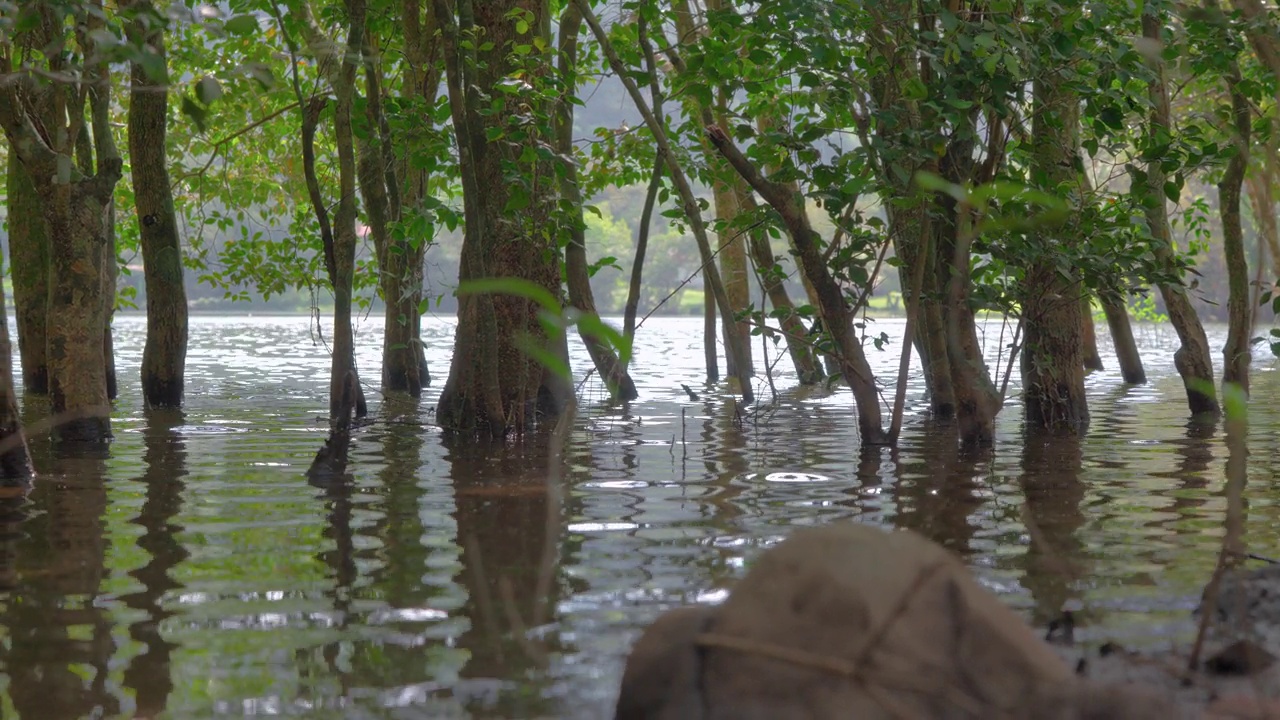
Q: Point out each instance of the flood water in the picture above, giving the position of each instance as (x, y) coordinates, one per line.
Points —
(191, 570)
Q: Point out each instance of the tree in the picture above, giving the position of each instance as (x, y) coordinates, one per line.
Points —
(76, 207)
(15, 460)
(1053, 344)
(496, 385)
(164, 356)
(1192, 358)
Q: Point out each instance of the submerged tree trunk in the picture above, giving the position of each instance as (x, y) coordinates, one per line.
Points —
(1127, 355)
(612, 371)
(1236, 355)
(29, 247)
(15, 461)
(1052, 351)
(165, 352)
(495, 386)
(1192, 359)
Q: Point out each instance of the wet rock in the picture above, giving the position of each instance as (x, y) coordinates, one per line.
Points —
(849, 621)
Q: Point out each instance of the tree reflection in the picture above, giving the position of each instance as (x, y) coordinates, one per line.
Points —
(936, 489)
(1053, 494)
(165, 456)
(59, 638)
(509, 535)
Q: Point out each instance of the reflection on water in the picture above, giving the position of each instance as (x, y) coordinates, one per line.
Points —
(192, 570)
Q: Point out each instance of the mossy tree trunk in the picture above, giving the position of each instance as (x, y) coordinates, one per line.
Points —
(1053, 344)
(1192, 359)
(495, 385)
(164, 355)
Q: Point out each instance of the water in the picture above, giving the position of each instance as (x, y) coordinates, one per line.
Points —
(191, 570)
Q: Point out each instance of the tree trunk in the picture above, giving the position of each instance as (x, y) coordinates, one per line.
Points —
(693, 211)
(1052, 350)
(835, 311)
(1264, 212)
(611, 370)
(76, 210)
(1089, 335)
(733, 268)
(164, 355)
(29, 247)
(977, 400)
(1192, 359)
(15, 461)
(1127, 355)
(404, 363)
(794, 332)
(344, 381)
(1236, 355)
(911, 232)
(495, 386)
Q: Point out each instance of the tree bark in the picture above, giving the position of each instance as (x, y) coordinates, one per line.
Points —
(1236, 355)
(1052, 352)
(15, 460)
(1264, 211)
(1192, 359)
(611, 370)
(495, 386)
(165, 352)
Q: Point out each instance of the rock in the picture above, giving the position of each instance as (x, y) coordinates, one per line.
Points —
(849, 621)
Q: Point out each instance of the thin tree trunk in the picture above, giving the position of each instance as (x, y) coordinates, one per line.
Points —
(611, 370)
(1127, 355)
(794, 332)
(642, 246)
(835, 312)
(1192, 359)
(735, 346)
(1089, 335)
(165, 352)
(339, 237)
(1236, 355)
(15, 460)
(1052, 351)
(709, 330)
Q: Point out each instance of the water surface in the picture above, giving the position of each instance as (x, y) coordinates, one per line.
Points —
(190, 570)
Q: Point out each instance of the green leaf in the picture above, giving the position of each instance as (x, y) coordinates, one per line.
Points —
(242, 25)
(518, 287)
